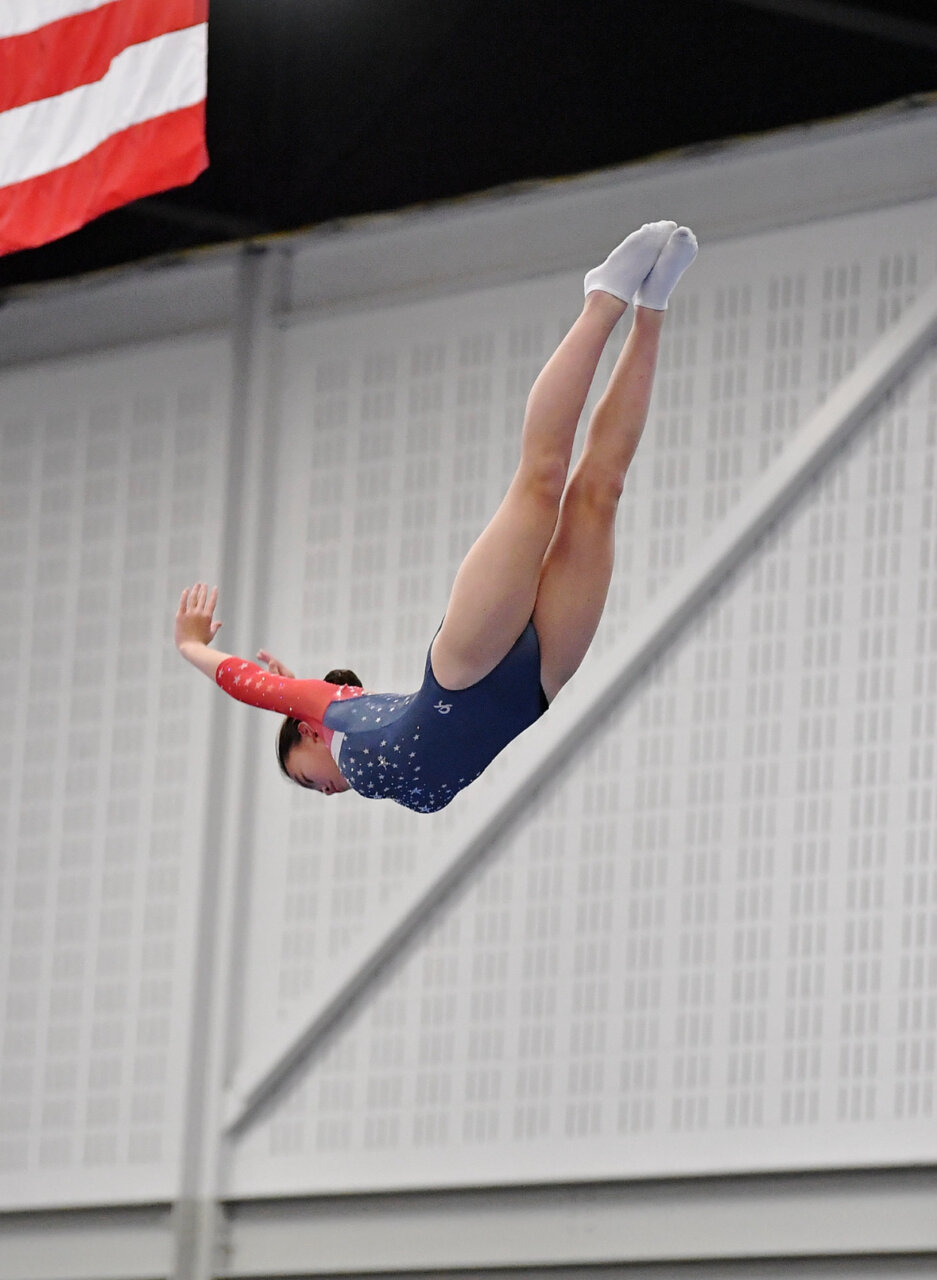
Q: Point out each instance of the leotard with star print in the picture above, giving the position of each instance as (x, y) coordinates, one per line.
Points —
(418, 749)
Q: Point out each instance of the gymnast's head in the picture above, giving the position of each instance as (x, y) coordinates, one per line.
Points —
(304, 756)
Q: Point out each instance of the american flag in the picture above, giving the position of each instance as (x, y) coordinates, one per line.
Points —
(100, 104)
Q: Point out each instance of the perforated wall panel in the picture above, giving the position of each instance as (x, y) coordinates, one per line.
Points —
(111, 473)
(709, 945)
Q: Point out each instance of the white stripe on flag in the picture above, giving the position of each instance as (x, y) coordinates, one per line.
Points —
(145, 81)
(19, 16)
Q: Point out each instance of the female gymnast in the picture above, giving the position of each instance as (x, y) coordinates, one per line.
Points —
(526, 600)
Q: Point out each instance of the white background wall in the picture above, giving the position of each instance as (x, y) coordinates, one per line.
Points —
(717, 926)
(109, 496)
(708, 948)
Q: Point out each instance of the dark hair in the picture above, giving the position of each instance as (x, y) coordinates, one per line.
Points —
(290, 736)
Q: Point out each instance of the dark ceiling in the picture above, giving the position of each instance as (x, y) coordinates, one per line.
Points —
(322, 109)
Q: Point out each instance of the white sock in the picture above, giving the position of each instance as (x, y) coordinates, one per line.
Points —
(625, 267)
(675, 257)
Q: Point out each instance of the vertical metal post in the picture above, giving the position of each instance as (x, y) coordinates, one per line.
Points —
(230, 807)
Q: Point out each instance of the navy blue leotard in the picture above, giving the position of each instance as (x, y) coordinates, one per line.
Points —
(419, 749)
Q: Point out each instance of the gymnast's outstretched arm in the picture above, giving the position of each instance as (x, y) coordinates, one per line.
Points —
(275, 689)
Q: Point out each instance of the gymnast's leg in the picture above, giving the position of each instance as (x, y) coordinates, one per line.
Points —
(577, 568)
(496, 586)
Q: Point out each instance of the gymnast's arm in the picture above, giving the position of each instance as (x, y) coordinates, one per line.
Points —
(273, 690)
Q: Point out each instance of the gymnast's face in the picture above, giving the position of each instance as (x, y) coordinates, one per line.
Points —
(310, 764)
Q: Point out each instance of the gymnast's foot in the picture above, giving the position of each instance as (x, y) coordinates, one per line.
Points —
(624, 269)
(675, 257)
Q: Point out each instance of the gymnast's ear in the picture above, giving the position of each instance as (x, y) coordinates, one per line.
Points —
(308, 733)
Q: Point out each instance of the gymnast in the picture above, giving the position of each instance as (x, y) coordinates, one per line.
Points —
(528, 596)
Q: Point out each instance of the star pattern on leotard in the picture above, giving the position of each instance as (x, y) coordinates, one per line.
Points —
(381, 767)
(420, 749)
(419, 755)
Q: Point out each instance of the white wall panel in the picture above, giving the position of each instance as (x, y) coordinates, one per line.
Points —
(111, 475)
(706, 948)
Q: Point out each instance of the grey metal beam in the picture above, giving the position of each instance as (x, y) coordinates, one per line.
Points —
(600, 689)
(874, 1224)
(853, 1223)
(229, 810)
(86, 1244)
(851, 17)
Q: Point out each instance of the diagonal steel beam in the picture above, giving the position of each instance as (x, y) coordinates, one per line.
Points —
(603, 686)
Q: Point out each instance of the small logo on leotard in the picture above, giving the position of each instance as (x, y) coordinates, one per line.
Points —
(443, 708)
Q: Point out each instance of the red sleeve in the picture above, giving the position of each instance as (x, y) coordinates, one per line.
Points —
(304, 699)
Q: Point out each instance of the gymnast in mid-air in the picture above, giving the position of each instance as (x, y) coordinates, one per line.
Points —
(527, 599)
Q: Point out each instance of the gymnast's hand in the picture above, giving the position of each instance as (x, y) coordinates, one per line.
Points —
(194, 619)
(196, 627)
(274, 665)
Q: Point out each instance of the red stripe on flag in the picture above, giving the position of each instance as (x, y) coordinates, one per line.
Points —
(78, 50)
(153, 156)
